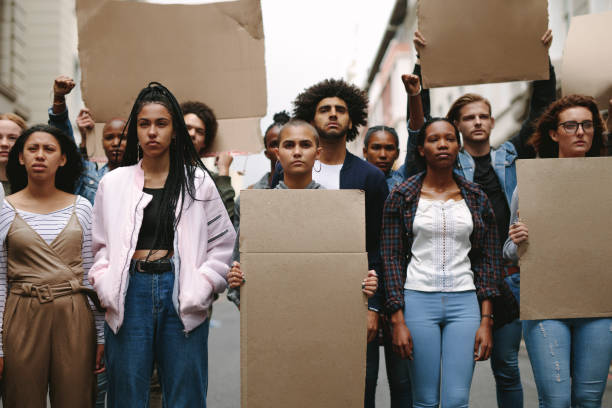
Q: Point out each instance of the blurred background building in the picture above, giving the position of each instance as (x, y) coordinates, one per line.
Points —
(396, 56)
(38, 41)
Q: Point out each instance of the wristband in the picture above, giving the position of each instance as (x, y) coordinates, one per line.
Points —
(490, 316)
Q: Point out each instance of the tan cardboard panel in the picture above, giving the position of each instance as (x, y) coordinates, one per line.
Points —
(303, 330)
(95, 150)
(212, 53)
(477, 42)
(239, 136)
(302, 221)
(587, 68)
(565, 267)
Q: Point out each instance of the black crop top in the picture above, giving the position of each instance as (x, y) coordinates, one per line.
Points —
(150, 221)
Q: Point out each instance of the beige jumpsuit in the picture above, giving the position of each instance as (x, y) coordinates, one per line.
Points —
(49, 333)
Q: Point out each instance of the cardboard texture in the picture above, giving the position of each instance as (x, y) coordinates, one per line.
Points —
(477, 42)
(209, 52)
(565, 268)
(238, 136)
(95, 150)
(314, 227)
(303, 316)
(587, 68)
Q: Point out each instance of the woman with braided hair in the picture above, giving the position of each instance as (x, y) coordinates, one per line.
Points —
(162, 241)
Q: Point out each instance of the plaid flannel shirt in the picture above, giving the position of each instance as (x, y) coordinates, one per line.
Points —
(396, 239)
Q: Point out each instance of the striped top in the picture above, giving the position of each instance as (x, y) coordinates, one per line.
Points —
(48, 226)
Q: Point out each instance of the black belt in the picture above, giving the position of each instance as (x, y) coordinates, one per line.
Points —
(158, 266)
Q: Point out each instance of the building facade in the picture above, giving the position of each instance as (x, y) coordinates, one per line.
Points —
(38, 43)
(509, 100)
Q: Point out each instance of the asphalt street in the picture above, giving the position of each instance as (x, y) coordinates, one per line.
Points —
(224, 369)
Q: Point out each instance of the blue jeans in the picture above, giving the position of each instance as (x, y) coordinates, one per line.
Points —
(504, 362)
(443, 327)
(152, 333)
(397, 375)
(576, 349)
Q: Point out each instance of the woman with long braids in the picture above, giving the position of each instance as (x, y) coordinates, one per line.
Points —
(162, 241)
(48, 335)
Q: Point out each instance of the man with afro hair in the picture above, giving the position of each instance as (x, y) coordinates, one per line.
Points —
(336, 109)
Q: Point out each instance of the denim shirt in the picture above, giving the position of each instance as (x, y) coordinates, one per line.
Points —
(87, 184)
(503, 160)
(394, 178)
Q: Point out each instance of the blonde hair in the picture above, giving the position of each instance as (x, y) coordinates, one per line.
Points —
(18, 120)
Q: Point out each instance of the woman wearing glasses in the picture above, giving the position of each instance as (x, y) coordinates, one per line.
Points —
(570, 357)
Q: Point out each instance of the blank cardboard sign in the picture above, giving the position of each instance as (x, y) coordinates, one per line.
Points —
(477, 42)
(587, 67)
(315, 224)
(208, 52)
(303, 330)
(303, 316)
(565, 267)
(238, 136)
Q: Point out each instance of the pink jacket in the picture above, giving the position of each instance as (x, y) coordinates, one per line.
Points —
(203, 245)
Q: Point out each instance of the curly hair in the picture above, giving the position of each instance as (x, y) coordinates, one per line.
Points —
(206, 115)
(356, 101)
(65, 177)
(548, 148)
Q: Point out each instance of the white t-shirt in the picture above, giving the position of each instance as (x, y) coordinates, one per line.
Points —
(440, 247)
(328, 175)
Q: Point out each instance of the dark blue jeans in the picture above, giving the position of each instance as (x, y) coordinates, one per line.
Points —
(153, 333)
(505, 365)
(504, 358)
(398, 375)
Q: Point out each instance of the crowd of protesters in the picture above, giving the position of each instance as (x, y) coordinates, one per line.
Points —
(108, 273)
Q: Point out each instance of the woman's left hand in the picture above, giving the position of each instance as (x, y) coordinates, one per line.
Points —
(484, 341)
(370, 284)
(100, 367)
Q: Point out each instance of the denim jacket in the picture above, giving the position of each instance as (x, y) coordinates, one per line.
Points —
(503, 160)
(87, 184)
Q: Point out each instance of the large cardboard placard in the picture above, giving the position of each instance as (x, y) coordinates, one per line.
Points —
(315, 226)
(238, 136)
(208, 52)
(477, 42)
(565, 267)
(303, 316)
(587, 68)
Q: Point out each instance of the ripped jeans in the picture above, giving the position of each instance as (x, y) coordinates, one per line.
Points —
(576, 349)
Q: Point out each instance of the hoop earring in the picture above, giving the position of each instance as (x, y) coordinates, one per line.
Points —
(315, 168)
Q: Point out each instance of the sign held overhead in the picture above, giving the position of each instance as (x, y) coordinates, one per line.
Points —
(482, 41)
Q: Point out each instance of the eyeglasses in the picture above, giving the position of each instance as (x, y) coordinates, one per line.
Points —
(571, 126)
